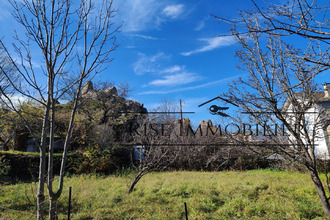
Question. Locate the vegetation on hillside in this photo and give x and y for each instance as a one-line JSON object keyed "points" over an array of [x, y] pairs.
{"points": [[101, 119]]}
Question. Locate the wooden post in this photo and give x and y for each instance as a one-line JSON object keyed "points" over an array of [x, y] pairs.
{"points": [[69, 208], [186, 210]]}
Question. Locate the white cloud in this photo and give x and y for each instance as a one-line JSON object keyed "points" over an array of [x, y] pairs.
{"points": [[175, 79], [173, 69], [138, 14], [169, 76], [15, 100], [222, 81], [173, 11], [200, 26], [34, 62], [212, 43], [149, 64], [141, 15], [145, 37]]}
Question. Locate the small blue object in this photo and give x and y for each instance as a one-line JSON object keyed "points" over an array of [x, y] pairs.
{"points": [[139, 153]]}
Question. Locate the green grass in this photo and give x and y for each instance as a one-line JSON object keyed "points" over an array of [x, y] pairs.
{"points": [[259, 194], [25, 153], [18, 152]]}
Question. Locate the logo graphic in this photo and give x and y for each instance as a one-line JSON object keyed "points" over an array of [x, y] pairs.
{"points": [[217, 110]]}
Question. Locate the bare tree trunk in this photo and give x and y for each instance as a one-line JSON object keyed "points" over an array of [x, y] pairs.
{"points": [[42, 165], [320, 191], [53, 208], [41, 185], [136, 180], [52, 197], [69, 133]]}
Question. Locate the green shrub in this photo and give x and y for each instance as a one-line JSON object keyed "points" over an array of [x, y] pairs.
{"points": [[96, 160], [4, 166]]}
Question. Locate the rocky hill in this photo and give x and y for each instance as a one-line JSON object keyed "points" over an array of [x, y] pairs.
{"points": [[110, 98], [107, 116]]}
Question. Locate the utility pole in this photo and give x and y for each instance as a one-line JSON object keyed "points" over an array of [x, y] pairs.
{"points": [[181, 120]]}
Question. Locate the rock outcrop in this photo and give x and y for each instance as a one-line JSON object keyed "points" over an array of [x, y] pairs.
{"points": [[87, 88], [110, 98]]}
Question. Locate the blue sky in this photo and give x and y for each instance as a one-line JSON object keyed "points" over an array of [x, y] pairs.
{"points": [[169, 50]]}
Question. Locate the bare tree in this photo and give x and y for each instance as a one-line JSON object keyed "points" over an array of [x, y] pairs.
{"points": [[280, 95], [280, 85], [155, 158], [75, 39], [166, 112], [5, 84], [156, 149], [305, 19], [124, 90]]}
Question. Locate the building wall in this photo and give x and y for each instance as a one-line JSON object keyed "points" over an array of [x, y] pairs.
{"points": [[320, 142]]}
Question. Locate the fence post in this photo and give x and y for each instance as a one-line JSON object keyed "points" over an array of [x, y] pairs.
{"points": [[69, 208], [185, 209]]}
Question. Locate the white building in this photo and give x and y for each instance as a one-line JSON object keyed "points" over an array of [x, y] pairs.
{"points": [[317, 117]]}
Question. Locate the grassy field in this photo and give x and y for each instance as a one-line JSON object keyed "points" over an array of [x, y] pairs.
{"points": [[259, 194]]}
